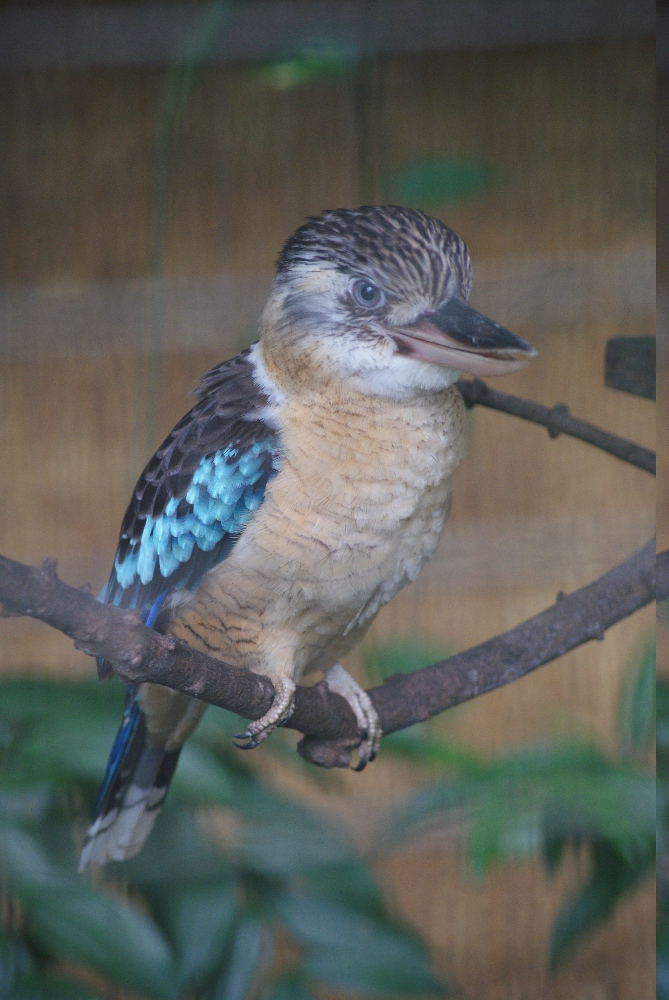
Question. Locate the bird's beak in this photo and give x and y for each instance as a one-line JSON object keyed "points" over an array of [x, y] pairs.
{"points": [[461, 338]]}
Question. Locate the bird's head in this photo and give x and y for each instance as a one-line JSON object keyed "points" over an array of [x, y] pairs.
{"points": [[377, 297]]}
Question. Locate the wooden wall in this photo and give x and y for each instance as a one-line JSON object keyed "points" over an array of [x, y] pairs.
{"points": [[97, 361]]}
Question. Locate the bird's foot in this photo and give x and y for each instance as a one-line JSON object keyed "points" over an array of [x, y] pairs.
{"points": [[340, 682], [282, 708]]}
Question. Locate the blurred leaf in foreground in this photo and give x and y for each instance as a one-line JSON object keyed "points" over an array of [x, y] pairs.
{"points": [[434, 181], [87, 927], [637, 706], [546, 799], [381, 660], [310, 65], [662, 748], [292, 986], [613, 874], [194, 913], [353, 952], [200, 919], [245, 958]]}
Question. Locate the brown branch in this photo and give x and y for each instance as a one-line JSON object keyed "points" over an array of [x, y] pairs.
{"points": [[557, 420], [140, 654], [570, 622]]}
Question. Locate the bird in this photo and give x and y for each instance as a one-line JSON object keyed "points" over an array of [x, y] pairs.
{"points": [[310, 482]]}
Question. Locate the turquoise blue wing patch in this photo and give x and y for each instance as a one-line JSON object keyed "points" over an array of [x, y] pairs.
{"points": [[198, 492], [227, 488]]}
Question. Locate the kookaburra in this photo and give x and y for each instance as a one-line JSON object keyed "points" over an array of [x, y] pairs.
{"points": [[308, 484]]}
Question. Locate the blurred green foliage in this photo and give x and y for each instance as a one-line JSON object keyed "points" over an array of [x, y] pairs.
{"points": [[432, 182], [404, 655], [279, 900], [310, 65], [193, 915], [662, 747], [548, 799]]}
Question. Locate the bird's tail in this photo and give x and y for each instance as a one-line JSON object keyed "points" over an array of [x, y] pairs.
{"points": [[132, 793]]}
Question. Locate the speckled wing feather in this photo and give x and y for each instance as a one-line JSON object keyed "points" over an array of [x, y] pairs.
{"points": [[190, 505], [197, 493]]}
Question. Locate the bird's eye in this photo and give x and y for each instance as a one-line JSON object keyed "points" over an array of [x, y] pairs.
{"points": [[366, 294]]}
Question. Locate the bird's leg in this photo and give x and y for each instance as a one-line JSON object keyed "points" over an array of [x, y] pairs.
{"points": [[340, 682], [282, 708]]}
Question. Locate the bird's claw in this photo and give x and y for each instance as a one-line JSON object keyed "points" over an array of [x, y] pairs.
{"points": [[280, 711], [247, 746], [363, 761], [340, 682]]}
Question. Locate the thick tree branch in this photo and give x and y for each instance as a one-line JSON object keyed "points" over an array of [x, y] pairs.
{"points": [[573, 620], [557, 420], [139, 654]]}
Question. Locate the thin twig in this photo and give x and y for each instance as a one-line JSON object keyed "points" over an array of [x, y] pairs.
{"points": [[557, 420], [140, 654]]}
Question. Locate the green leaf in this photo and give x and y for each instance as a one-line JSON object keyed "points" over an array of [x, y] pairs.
{"points": [[47, 987], [383, 967], [399, 656], [8, 971], [287, 851], [200, 920], [25, 700], [434, 181], [433, 806], [502, 826], [15, 965], [201, 776], [521, 800], [176, 853], [60, 753], [554, 850], [64, 732], [71, 920], [637, 708], [56, 732], [285, 839], [29, 806], [24, 862], [417, 744], [662, 981], [245, 959], [613, 875], [308, 66], [517, 818], [350, 883], [351, 951], [662, 729], [292, 986]]}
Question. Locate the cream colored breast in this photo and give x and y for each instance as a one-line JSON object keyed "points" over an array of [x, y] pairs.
{"points": [[364, 478], [356, 510]]}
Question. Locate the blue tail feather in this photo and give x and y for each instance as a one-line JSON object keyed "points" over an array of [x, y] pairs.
{"points": [[132, 792], [132, 716]]}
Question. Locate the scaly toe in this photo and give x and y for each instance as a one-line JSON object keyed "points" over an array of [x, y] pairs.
{"points": [[341, 682], [280, 711]]}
